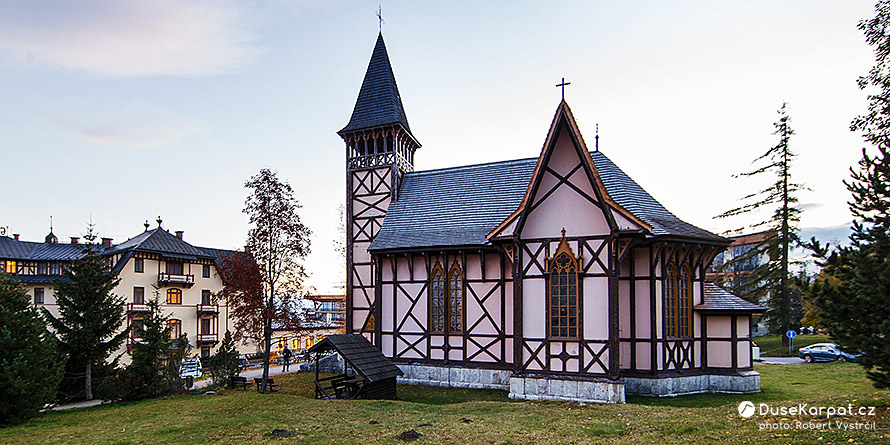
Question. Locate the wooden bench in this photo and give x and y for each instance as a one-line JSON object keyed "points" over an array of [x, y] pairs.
{"points": [[236, 380], [347, 387], [270, 384]]}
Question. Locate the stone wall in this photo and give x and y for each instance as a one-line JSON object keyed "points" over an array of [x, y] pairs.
{"points": [[455, 377], [744, 382], [548, 388]]}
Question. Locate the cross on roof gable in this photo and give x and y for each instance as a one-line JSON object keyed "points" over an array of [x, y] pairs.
{"points": [[564, 119]]}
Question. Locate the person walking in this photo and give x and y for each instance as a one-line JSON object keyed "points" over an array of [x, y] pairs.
{"points": [[287, 354]]}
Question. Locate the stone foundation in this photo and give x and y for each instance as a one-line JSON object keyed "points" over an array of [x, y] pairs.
{"points": [[549, 388], [744, 382], [455, 377]]}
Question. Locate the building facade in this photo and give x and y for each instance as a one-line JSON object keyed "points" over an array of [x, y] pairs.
{"points": [[556, 277], [153, 264]]}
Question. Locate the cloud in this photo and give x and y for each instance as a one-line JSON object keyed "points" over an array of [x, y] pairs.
{"points": [[136, 126], [128, 38]]}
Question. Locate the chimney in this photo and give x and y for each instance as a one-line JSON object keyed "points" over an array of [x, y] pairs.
{"points": [[75, 240], [179, 234], [16, 236], [106, 242]]}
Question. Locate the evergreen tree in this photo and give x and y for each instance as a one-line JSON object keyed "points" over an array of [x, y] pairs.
{"points": [[853, 293], [154, 370], [29, 368], [224, 363], [774, 278], [90, 315]]}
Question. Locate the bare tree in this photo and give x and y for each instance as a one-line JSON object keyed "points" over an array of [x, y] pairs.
{"points": [[278, 242]]}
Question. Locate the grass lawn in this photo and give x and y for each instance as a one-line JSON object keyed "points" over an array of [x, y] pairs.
{"points": [[238, 416], [771, 345]]}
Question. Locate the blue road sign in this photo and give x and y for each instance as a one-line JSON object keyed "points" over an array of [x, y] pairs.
{"points": [[791, 334]]}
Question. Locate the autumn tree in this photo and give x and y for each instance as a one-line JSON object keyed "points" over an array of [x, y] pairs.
{"points": [[276, 245], [774, 277], [853, 292], [90, 314]]}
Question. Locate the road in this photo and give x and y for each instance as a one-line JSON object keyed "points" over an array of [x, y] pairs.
{"points": [[251, 373], [781, 360]]}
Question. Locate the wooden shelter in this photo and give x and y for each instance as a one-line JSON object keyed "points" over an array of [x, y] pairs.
{"points": [[367, 373]]}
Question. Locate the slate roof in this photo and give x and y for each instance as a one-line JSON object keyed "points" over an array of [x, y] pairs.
{"points": [[30, 251], [379, 102], [716, 299], [162, 242], [361, 355], [459, 206], [453, 206]]}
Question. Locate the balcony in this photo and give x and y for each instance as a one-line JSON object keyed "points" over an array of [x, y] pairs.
{"points": [[138, 308], [207, 338], [208, 309], [165, 279]]}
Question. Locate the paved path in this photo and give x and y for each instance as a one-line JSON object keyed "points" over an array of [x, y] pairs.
{"points": [[782, 360], [251, 373]]}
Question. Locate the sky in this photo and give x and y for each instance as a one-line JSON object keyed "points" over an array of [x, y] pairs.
{"points": [[121, 111]]}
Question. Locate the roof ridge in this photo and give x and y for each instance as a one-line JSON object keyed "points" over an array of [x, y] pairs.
{"points": [[468, 167]]}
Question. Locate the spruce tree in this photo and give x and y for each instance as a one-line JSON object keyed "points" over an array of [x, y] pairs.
{"points": [[224, 363], [153, 371], [853, 291], [774, 278], [90, 314], [29, 368]]}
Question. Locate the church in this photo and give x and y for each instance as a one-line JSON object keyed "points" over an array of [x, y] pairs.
{"points": [[556, 277]]}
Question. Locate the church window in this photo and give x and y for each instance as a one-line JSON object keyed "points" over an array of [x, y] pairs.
{"points": [[678, 301], [446, 299], [563, 293]]}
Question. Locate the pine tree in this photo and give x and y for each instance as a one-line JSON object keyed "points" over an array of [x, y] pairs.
{"points": [[224, 363], [149, 372], [774, 277], [853, 293], [90, 314], [29, 368]]}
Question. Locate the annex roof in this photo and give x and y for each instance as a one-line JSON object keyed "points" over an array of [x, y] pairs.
{"points": [[459, 206], [716, 299], [13, 249], [379, 102], [361, 355]]}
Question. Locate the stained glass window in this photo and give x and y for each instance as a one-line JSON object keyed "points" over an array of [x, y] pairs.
{"points": [[678, 301], [446, 299], [564, 296], [455, 299]]}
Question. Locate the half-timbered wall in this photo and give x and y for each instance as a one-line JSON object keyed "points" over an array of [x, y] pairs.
{"points": [[370, 196], [485, 338], [564, 201]]}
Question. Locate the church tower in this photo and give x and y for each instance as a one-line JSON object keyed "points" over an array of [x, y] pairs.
{"points": [[379, 151]]}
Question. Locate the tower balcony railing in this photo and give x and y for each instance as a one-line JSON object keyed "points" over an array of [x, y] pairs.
{"points": [[137, 308], [165, 279], [208, 308], [207, 338]]}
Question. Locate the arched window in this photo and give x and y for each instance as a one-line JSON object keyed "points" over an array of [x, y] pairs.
{"points": [[446, 299], [563, 293], [175, 328], [174, 296], [678, 301]]}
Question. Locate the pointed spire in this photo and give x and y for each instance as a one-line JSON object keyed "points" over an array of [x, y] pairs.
{"points": [[379, 102], [51, 238]]}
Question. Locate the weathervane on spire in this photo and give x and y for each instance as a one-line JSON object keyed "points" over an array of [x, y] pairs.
{"points": [[380, 17], [563, 86]]}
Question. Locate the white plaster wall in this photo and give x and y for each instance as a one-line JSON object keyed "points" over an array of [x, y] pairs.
{"points": [[719, 327], [642, 309], [719, 353], [596, 308], [742, 326], [534, 308]]}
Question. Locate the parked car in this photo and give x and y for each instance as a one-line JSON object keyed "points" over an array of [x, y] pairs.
{"points": [[825, 352], [242, 362], [190, 367]]}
